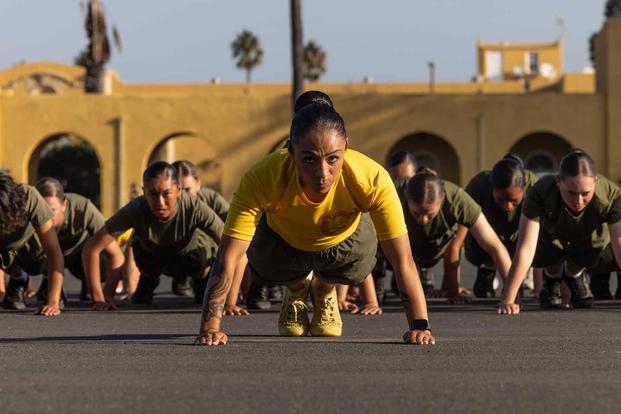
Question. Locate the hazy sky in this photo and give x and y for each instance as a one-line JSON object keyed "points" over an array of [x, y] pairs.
{"points": [[392, 40]]}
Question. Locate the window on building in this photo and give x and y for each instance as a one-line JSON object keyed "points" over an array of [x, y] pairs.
{"points": [[533, 62]]}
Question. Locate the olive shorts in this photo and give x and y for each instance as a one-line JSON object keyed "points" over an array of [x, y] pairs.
{"points": [[190, 263], [273, 261]]}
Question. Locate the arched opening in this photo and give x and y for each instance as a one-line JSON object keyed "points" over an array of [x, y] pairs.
{"points": [[431, 151], [541, 151], [191, 147], [70, 159]]}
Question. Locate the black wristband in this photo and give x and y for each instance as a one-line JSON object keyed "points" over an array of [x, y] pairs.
{"points": [[420, 325]]}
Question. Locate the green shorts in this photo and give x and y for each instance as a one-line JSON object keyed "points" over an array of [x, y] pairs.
{"points": [[273, 261], [28, 257], [429, 255], [478, 257], [593, 254], [190, 263], [32, 259]]}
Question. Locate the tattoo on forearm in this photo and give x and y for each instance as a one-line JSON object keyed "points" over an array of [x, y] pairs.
{"points": [[217, 289]]}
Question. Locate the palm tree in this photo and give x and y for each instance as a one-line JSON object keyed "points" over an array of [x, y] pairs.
{"points": [[247, 50], [314, 61], [612, 8]]}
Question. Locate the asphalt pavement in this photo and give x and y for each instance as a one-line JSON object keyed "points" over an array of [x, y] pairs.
{"points": [[142, 359]]}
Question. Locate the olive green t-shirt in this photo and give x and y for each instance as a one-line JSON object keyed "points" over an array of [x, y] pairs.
{"points": [[543, 203], [177, 235], [457, 208], [82, 221], [214, 200], [37, 213], [504, 224]]}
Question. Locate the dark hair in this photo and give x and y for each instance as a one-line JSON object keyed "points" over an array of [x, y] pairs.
{"points": [[508, 172], [157, 168], [576, 162], [400, 157], [425, 188], [316, 116], [50, 187], [13, 215], [185, 168], [311, 97]]}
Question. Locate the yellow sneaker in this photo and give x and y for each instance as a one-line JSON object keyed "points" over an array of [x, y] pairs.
{"points": [[326, 319], [293, 320]]}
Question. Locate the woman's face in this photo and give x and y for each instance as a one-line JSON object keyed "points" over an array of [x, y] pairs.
{"points": [[161, 194], [190, 184], [58, 207], [576, 192], [318, 158], [424, 213], [509, 198]]}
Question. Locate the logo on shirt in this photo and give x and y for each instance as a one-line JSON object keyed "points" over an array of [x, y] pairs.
{"points": [[337, 223]]}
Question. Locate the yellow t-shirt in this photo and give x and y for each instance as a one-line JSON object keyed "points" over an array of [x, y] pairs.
{"points": [[273, 187]]}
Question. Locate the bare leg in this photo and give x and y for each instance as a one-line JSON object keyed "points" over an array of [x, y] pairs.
{"points": [[344, 304], [371, 305]]}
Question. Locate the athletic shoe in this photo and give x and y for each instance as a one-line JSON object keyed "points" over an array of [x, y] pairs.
{"points": [[600, 286], [14, 297], [182, 286], [326, 318], [144, 292], [258, 297], [293, 319], [275, 293], [581, 296], [550, 295], [484, 283]]}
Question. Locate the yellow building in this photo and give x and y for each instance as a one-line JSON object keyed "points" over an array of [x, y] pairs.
{"points": [[459, 129]]}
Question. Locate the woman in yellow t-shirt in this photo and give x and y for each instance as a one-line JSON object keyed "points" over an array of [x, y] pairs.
{"points": [[300, 210]]}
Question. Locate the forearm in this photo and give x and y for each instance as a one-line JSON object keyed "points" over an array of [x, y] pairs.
{"points": [[215, 297], [501, 259], [93, 274], [515, 277], [238, 277], [368, 291], [113, 273], [412, 293], [451, 280], [55, 276]]}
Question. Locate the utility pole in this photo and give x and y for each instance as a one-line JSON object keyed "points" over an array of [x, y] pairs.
{"points": [[296, 49], [432, 77]]}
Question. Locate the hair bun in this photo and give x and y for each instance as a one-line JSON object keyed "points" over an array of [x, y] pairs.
{"points": [[310, 98], [426, 170], [513, 156]]}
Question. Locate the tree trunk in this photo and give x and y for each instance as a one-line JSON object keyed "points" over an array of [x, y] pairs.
{"points": [[297, 49], [247, 76], [93, 81]]}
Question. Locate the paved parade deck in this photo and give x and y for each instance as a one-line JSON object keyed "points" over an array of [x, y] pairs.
{"points": [[143, 360]]}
